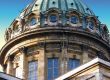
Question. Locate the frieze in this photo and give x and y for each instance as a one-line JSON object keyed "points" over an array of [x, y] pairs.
{"points": [[72, 39], [58, 41], [32, 50], [86, 41]]}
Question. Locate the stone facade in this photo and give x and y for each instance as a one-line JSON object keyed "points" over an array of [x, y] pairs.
{"points": [[39, 34], [62, 45]]}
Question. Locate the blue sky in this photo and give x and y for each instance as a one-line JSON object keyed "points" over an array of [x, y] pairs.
{"points": [[10, 9], [101, 8]]}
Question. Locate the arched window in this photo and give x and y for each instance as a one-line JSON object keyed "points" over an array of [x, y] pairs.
{"points": [[53, 18], [74, 19], [33, 21], [91, 24]]}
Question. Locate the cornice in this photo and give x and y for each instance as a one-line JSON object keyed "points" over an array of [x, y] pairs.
{"points": [[33, 33]]}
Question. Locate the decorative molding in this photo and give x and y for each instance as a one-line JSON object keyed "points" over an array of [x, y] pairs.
{"points": [[10, 57], [23, 49]]}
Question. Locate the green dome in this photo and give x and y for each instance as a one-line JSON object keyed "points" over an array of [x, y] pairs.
{"points": [[63, 5]]}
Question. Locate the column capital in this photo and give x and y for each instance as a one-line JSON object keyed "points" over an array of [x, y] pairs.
{"points": [[23, 49], [10, 57]]}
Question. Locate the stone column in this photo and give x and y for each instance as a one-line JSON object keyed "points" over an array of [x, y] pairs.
{"points": [[64, 62], [10, 65], [84, 54], [41, 65], [24, 63]]}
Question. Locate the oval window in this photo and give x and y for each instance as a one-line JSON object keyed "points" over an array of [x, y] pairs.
{"points": [[74, 19], [53, 18], [91, 25], [33, 22]]}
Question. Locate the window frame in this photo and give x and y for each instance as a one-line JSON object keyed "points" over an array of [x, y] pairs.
{"points": [[55, 16], [53, 68], [33, 21], [35, 70], [76, 20], [93, 25]]}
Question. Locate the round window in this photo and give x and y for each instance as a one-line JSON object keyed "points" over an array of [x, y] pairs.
{"points": [[74, 19], [91, 25], [33, 22], [53, 18]]}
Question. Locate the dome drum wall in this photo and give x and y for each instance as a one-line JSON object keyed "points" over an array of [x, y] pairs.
{"points": [[54, 45], [50, 30], [57, 36]]}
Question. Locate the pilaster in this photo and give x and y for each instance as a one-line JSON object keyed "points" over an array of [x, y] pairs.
{"points": [[23, 52], [64, 56], [64, 61], [85, 54], [41, 65], [10, 65]]}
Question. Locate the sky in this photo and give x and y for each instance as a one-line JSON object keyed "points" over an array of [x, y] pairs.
{"points": [[10, 9]]}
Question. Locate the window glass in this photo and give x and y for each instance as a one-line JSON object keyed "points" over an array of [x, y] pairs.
{"points": [[33, 22], [74, 19], [73, 63], [53, 68], [91, 25], [53, 18], [32, 68]]}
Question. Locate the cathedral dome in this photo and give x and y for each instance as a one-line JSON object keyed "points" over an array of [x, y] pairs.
{"points": [[72, 14], [52, 37], [61, 5]]}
